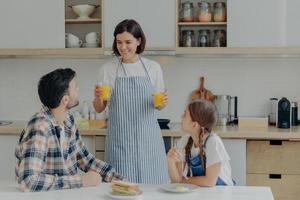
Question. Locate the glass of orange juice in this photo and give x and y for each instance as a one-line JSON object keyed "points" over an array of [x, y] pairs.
{"points": [[106, 91], [158, 99]]}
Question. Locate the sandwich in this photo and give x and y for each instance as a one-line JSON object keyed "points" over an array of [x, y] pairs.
{"points": [[125, 188]]}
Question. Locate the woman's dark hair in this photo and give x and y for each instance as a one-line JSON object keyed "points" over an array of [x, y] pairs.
{"points": [[54, 85], [205, 114], [130, 26]]}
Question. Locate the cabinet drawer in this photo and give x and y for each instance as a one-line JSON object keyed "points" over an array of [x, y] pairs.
{"points": [[284, 187], [100, 143], [273, 157], [100, 155]]}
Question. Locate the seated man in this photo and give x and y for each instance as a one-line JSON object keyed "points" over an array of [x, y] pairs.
{"points": [[50, 151]]}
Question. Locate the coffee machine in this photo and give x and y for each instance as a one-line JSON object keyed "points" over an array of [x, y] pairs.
{"points": [[224, 109], [284, 114]]}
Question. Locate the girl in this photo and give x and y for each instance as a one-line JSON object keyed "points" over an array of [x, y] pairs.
{"points": [[200, 158], [134, 145]]}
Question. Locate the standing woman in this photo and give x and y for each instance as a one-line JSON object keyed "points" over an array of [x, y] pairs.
{"points": [[134, 144]]}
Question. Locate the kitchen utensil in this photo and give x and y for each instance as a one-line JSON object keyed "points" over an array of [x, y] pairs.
{"points": [[83, 10], [202, 92], [72, 41], [295, 121], [92, 38], [273, 110], [224, 109], [283, 113], [163, 123]]}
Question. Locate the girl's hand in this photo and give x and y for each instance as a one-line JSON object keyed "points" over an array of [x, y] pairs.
{"points": [[174, 155]]}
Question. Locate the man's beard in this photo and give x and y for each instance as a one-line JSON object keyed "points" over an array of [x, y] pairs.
{"points": [[76, 103]]}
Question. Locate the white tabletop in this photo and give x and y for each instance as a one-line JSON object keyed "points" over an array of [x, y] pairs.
{"points": [[10, 191]]}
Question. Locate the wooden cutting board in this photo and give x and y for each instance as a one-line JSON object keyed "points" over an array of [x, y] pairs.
{"points": [[202, 92]]}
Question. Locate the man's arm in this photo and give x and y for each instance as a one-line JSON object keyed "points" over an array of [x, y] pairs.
{"points": [[87, 162]]}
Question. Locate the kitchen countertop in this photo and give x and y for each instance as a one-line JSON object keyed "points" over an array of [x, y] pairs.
{"points": [[228, 132], [9, 191]]}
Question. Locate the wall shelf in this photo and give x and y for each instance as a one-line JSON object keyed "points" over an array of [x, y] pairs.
{"points": [[60, 52], [243, 52], [280, 52], [86, 21], [202, 23]]}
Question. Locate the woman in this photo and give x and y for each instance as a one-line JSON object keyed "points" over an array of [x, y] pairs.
{"points": [[134, 144]]}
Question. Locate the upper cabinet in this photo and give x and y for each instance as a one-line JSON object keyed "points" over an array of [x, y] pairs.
{"points": [[257, 23], [156, 18], [32, 24], [83, 23], [292, 23]]}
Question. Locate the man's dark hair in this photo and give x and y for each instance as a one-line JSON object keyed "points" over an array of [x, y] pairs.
{"points": [[130, 26], [54, 85]]}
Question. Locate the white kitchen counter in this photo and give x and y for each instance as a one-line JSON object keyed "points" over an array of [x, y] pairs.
{"points": [[9, 191]]}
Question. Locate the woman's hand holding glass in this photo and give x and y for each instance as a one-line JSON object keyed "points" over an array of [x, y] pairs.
{"points": [[160, 99], [102, 92]]}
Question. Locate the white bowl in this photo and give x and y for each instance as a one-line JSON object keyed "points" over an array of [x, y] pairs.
{"points": [[83, 10]]}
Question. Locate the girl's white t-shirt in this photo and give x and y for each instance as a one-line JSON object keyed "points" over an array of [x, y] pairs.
{"points": [[215, 153], [108, 72]]}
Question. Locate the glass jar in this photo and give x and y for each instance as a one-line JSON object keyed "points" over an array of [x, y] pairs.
{"points": [[204, 12], [187, 38], [186, 12], [219, 38], [219, 12], [204, 38]]}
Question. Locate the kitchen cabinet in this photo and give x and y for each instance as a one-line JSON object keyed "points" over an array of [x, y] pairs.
{"points": [[256, 23], [32, 24], [156, 18], [292, 23], [237, 159], [274, 163], [81, 27], [192, 34]]}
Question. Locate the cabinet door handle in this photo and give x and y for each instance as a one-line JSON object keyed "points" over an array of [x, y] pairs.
{"points": [[274, 176], [276, 142]]}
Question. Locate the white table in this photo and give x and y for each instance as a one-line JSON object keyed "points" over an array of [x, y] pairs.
{"points": [[10, 191]]}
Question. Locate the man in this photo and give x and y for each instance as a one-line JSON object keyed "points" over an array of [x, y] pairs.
{"points": [[50, 152]]}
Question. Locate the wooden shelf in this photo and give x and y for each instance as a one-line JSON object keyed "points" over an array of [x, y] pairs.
{"points": [[59, 52], [202, 23], [244, 52], [85, 21], [280, 52]]}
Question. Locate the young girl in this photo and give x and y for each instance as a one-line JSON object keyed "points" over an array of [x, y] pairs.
{"points": [[200, 157]]}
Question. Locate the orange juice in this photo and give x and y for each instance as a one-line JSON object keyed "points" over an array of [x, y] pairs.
{"points": [[158, 99], [106, 90]]}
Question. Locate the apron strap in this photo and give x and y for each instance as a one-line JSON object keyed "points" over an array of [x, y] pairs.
{"points": [[124, 70]]}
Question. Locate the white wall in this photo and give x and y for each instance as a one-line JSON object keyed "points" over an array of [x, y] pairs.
{"points": [[253, 80]]}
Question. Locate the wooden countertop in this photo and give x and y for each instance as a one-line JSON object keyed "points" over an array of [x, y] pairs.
{"points": [[228, 132]]}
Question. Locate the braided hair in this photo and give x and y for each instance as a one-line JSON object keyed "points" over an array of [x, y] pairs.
{"points": [[205, 114]]}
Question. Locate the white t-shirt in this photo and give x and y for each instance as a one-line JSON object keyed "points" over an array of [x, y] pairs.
{"points": [[108, 72], [215, 153]]}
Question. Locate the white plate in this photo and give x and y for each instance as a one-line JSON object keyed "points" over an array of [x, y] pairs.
{"points": [[180, 188], [124, 196]]}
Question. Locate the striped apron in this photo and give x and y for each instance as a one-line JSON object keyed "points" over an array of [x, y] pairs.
{"points": [[134, 144]]}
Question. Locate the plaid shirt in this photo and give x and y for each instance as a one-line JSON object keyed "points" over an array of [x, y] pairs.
{"points": [[42, 163]]}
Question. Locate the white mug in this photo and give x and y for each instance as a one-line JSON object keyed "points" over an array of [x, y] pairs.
{"points": [[92, 38], [72, 40]]}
